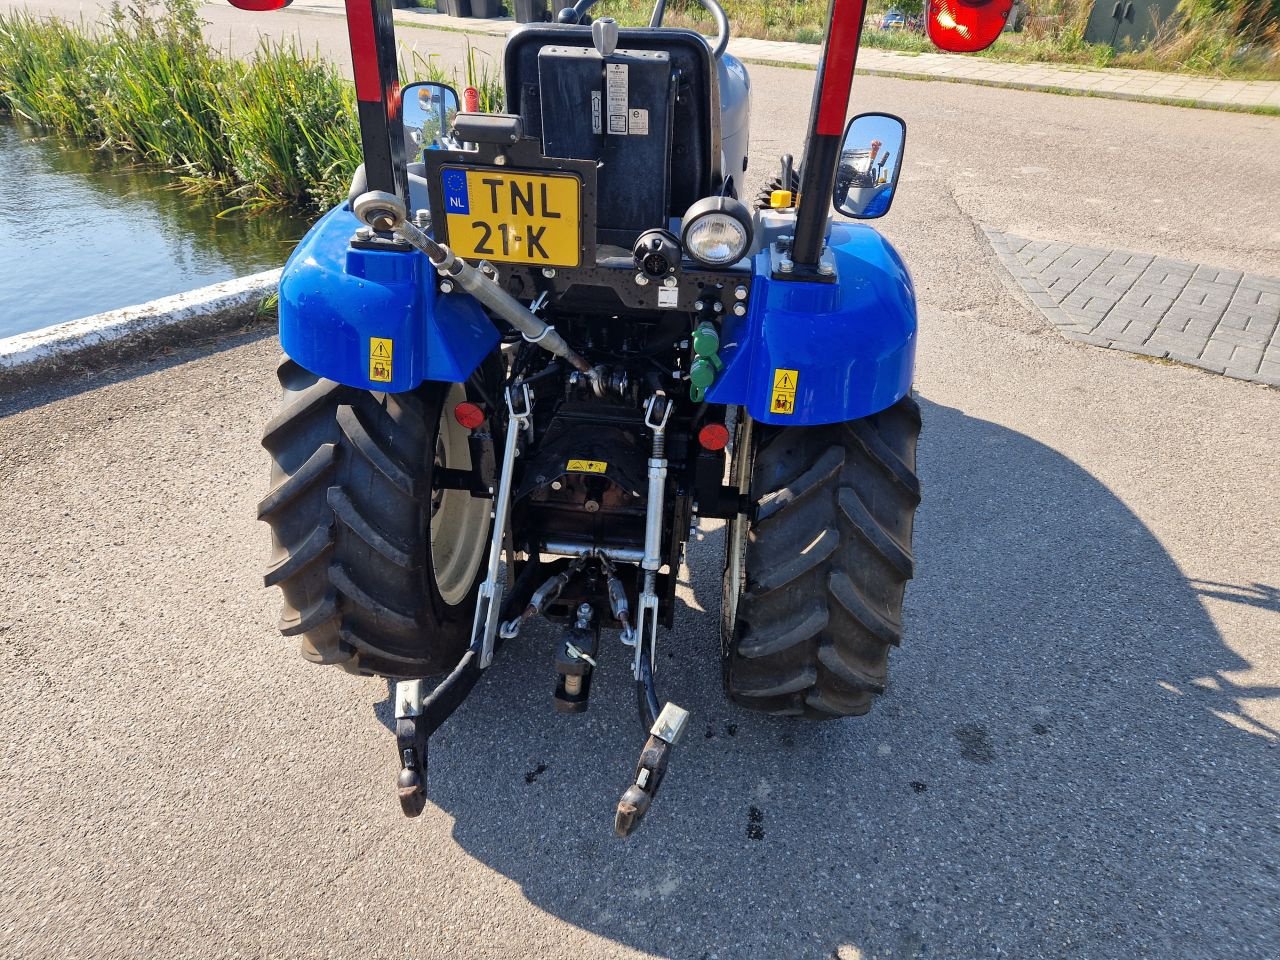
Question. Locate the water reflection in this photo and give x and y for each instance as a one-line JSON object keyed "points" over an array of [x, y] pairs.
{"points": [[81, 232]]}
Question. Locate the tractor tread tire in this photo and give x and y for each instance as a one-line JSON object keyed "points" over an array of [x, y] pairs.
{"points": [[827, 558], [348, 518]]}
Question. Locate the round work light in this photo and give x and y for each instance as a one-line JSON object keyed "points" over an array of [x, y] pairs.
{"points": [[716, 231]]}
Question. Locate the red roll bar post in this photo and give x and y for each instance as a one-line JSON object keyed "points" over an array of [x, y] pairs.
{"points": [[826, 130], [373, 62]]}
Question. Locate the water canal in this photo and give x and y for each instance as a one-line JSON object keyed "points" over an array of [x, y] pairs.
{"points": [[82, 232]]}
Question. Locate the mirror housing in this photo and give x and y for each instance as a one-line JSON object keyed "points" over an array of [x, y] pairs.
{"points": [[870, 162], [965, 26], [258, 6], [427, 110]]}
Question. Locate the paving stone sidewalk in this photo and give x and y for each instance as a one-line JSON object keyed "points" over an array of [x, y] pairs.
{"points": [[1220, 320]]}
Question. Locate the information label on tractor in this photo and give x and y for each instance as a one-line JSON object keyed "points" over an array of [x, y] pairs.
{"points": [[586, 466], [615, 79], [513, 217], [785, 383], [381, 352]]}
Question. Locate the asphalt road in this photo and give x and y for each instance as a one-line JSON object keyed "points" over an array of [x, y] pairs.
{"points": [[1077, 757]]}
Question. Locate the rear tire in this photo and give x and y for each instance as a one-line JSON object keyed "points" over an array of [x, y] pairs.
{"points": [[814, 583], [353, 516]]}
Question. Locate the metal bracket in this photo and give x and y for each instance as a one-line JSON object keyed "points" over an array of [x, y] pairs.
{"points": [[411, 745], [657, 413], [484, 628], [666, 731]]}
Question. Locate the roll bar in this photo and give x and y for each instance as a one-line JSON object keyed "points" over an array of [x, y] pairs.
{"points": [[826, 131]]}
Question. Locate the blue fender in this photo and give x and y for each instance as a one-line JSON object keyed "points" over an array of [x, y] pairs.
{"points": [[810, 353], [373, 319]]}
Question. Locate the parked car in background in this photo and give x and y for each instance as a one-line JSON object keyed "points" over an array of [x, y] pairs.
{"points": [[893, 20]]}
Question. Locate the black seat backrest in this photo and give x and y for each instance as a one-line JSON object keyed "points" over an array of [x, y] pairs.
{"points": [[693, 167]]}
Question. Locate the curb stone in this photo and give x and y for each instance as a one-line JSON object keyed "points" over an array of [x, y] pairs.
{"points": [[28, 359]]}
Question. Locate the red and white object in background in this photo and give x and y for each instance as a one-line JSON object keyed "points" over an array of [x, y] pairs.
{"points": [[965, 26]]}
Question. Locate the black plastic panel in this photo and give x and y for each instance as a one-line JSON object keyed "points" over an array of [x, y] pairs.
{"points": [[694, 164], [617, 110]]}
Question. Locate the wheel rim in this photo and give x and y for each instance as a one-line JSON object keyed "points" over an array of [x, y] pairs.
{"points": [[459, 521]]}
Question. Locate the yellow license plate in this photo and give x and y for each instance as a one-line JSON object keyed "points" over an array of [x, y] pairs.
{"points": [[513, 217]]}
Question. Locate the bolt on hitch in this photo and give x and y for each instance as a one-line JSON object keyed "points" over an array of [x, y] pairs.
{"points": [[576, 662]]}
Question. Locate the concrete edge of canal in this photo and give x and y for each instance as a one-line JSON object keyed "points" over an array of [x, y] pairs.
{"points": [[91, 343]]}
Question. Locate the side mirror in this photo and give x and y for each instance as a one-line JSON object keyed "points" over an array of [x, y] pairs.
{"points": [[870, 161], [258, 6], [427, 110], [964, 26]]}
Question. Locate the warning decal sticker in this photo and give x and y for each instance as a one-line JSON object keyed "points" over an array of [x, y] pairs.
{"points": [[587, 466], [638, 123], [615, 80], [785, 383], [381, 352]]}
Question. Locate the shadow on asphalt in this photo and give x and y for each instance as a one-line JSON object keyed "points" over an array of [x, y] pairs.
{"points": [[1062, 765], [139, 361]]}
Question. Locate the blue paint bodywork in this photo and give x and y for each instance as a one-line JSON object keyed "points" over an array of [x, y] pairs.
{"points": [[334, 298], [852, 343]]}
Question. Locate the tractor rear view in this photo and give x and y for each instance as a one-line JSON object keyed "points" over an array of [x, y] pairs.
{"points": [[534, 348]]}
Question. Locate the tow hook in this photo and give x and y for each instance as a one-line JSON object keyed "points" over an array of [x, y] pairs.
{"points": [[411, 741], [576, 661], [651, 769], [418, 717]]}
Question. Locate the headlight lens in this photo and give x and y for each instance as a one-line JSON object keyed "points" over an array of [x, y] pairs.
{"points": [[717, 231], [716, 239]]}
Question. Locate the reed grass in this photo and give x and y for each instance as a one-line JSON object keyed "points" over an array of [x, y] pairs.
{"points": [[290, 129], [479, 71], [277, 129]]}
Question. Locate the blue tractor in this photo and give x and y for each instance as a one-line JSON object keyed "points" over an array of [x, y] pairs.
{"points": [[534, 348]]}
